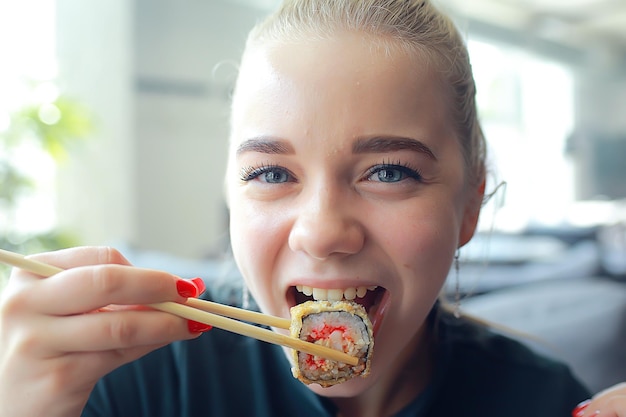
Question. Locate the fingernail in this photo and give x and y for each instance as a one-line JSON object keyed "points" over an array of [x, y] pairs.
{"points": [[199, 284], [579, 411], [186, 288], [197, 327]]}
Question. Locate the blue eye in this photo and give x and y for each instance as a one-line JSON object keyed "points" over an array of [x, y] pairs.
{"points": [[267, 174], [275, 176], [391, 173]]}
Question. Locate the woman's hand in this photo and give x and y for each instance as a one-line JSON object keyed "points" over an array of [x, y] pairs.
{"points": [[608, 403], [59, 335]]}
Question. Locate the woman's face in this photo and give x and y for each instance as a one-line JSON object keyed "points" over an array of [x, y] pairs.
{"points": [[345, 176]]}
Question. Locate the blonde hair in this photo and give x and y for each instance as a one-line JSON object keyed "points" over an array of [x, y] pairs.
{"points": [[414, 25]]}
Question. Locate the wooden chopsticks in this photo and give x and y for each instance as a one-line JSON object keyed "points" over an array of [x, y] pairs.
{"points": [[238, 313], [211, 313]]}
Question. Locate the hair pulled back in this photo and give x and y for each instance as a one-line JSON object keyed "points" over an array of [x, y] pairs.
{"points": [[415, 25]]}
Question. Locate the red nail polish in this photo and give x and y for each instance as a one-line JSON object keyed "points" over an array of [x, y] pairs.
{"points": [[197, 327], [579, 411], [200, 284], [186, 288]]}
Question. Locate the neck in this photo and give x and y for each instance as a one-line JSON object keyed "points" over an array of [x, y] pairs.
{"points": [[406, 378]]}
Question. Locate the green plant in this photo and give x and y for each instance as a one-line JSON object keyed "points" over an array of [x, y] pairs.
{"points": [[53, 127]]}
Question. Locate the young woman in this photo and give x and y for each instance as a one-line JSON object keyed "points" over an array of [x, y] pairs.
{"points": [[356, 168]]}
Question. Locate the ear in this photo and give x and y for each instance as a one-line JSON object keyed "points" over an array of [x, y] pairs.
{"points": [[471, 213]]}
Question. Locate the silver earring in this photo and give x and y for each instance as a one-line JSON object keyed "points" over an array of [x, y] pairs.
{"points": [[245, 297], [457, 286]]}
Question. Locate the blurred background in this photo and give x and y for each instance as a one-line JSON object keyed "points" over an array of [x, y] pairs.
{"points": [[130, 102], [114, 121]]}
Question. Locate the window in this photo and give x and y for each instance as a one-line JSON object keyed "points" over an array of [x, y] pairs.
{"points": [[27, 51], [526, 104]]}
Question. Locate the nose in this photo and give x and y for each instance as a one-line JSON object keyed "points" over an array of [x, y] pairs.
{"points": [[326, 225]]}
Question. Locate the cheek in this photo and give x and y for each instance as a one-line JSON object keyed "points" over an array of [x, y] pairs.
{"points": [[420, 241], [423, 243], [427, 234], [247, 239], [256, 242]]}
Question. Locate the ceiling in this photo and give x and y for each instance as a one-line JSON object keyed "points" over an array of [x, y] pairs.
{"points": [[575, 30], [574, 23]]}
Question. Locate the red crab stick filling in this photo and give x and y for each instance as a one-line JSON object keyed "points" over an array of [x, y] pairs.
{"points": [[338, 338]]}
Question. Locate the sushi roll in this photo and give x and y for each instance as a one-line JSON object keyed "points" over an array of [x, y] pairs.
{"points": [[339, 325]]}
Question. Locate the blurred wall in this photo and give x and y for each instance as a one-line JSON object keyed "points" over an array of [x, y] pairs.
{"points": [[157, 74], [97, 186]]}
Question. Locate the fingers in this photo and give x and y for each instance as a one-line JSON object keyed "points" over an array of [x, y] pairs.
{"points": [[114, 330], [81, 256], [86, 284], [54, 312], [61, 334], [608, 403], [57, 386], [85, 289], [64, 259], [610, 407]]}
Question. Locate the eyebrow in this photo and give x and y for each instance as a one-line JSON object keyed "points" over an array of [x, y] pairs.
{"points": [[265, 144], [375, 144], [379, 144]]}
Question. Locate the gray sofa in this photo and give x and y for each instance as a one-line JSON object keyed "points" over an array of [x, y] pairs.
{"points": [[580, 321]]}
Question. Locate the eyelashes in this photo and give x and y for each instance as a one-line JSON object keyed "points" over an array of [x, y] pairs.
{"points": [[386, 172], [270, 173], [249, 173], [390, 172]]}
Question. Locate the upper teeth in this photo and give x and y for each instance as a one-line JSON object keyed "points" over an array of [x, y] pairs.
{"points": [[335, 294]]}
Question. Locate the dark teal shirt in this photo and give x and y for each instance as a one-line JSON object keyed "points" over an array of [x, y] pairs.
{"points": [[478, 373]]}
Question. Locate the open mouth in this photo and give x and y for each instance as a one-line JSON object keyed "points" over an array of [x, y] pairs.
{"points": [[372, 298]]}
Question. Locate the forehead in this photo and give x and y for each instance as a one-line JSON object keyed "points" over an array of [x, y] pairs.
{"points": [[353, 80], [354, 56]]}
